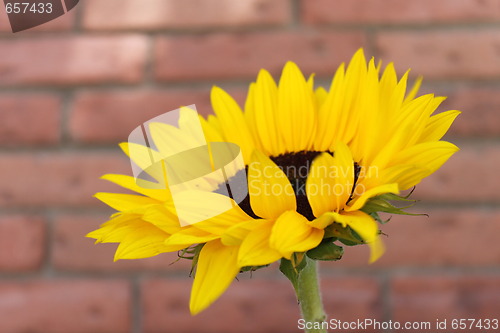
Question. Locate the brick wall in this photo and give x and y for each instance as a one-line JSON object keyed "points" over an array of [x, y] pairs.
{"points": [[70, 90]]}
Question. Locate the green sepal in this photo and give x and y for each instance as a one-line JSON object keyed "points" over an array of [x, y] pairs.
{"points": [[291, 268], [345, 235], [251, 268], [349, 243], [396, 197], [377, 218], [381, 204], [190, 253], [326, 250]]}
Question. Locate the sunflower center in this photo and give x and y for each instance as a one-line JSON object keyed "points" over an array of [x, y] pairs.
{"points": [[296, 167]]}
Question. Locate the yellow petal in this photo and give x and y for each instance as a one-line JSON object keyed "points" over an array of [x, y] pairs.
{"points": [[292, 233], [249, 114], [364, 143], [146, 159], [195, 207], [211, 133], [391, 103], [190, 124], [397, 99], [116, 229], [255, 249], [143, 241], [215, 123], [232, 121], [391, 98], [430, 155], [399, 134], [217, 268], [405, 175], [361, 198], [234, 235], [438, 126], [412, 178], [319, 185], [388, 84], [296, 114], [270, 191], [414, 90], [322, 222], [188, 236], [347, 119], [221, 223], [321, 95], [125, 202], [310, 81], [262, 106], [421, 161], [163, 217], [170, 140], [421, 121], [366, 227], [330, 111], [149, 190], [330, 181]]}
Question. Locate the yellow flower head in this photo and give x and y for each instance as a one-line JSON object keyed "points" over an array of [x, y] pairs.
{"points": [[320, 165]]}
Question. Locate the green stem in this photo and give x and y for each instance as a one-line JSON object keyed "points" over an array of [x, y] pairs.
{"points": [[309, 297]]}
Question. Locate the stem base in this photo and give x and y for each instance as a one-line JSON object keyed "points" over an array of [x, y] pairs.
{"points": [[309, 296]]}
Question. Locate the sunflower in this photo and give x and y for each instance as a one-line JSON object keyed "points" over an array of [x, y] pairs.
{"points": [[320, 165]]}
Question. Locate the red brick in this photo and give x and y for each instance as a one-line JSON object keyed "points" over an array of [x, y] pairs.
{"points": [[434, 241], [110, 116], [172, 14], [439, 54], [257, 305], [62, 23], [72, 251], [22, 243], [469, 176], [65, 306], [351, 298], [29, 119], [399, 12], [236, 55], [427, 298], [57, 179], [479, 108], [72, 60]]}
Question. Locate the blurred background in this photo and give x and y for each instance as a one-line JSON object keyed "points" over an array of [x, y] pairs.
{"points": [[72, 89]]}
